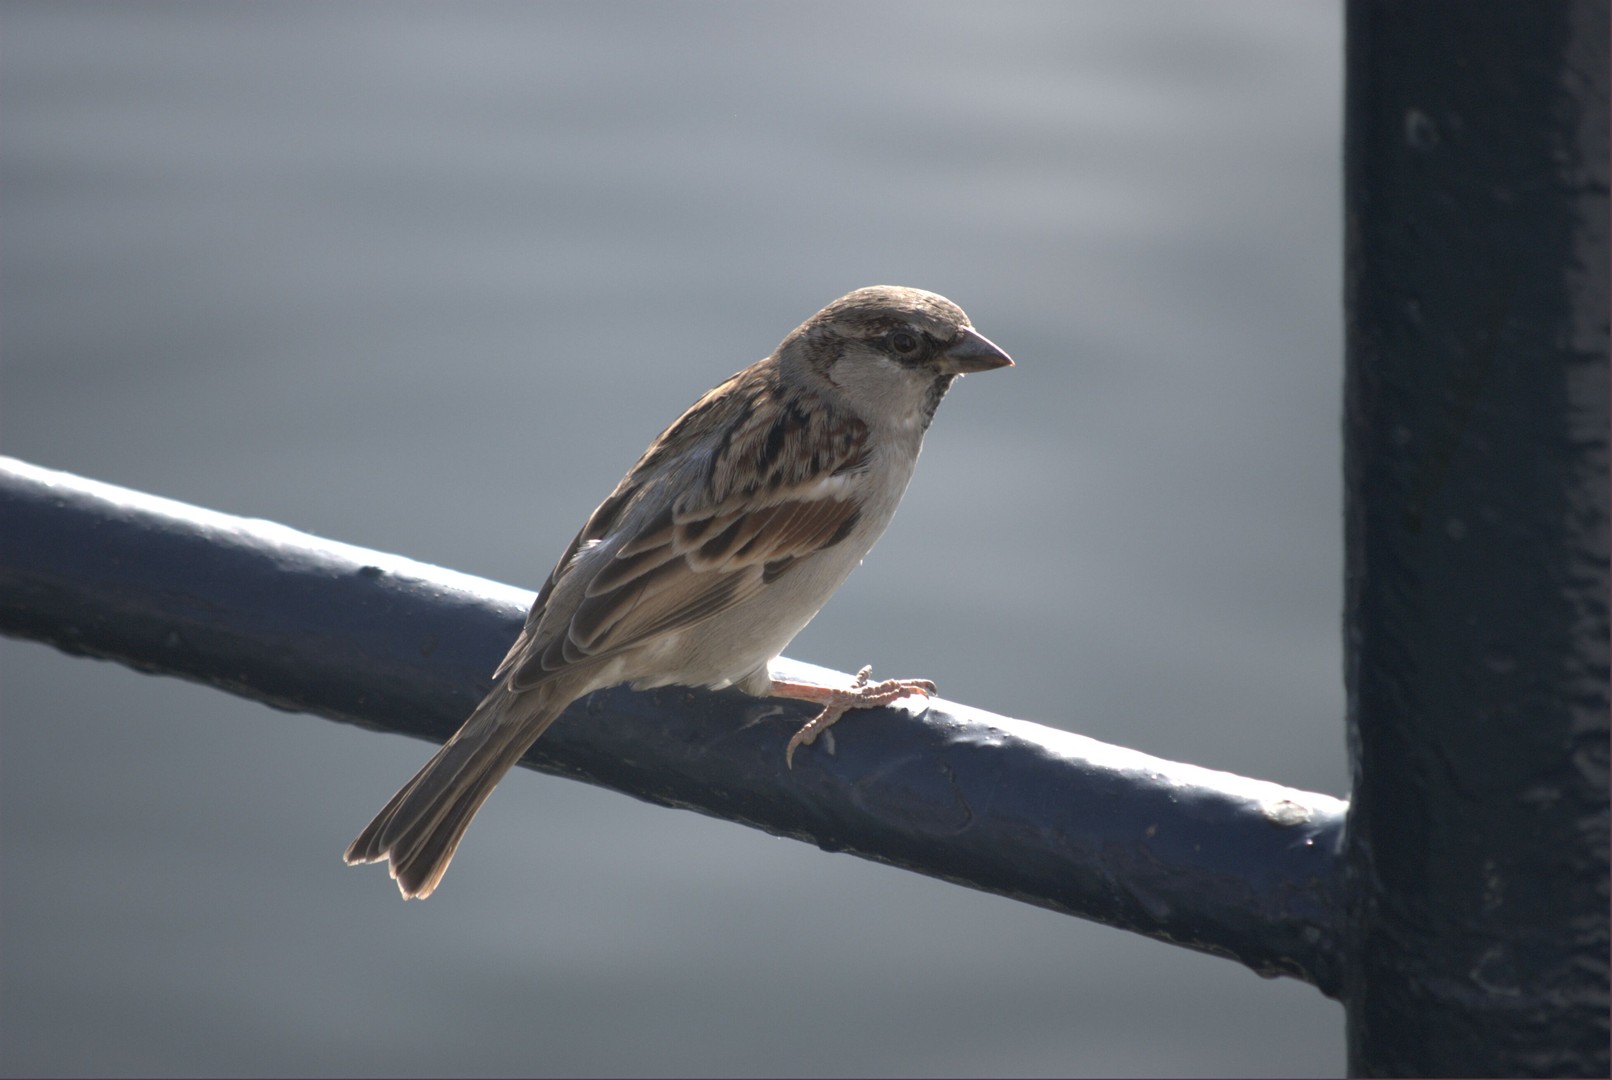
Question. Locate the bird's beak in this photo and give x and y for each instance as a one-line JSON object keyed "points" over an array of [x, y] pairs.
{"points": [[972, 351]]}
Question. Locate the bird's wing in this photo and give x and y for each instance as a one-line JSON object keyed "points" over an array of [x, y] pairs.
{"points": [[770, 486]]}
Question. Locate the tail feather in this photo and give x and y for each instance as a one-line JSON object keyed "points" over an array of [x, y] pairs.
{"points": [[419, 829]]}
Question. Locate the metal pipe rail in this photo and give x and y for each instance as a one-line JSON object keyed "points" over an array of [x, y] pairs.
{"points": [[1240, 868]]}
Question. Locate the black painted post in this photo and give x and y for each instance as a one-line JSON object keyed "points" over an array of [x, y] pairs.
{"points": [[1476, 464]]}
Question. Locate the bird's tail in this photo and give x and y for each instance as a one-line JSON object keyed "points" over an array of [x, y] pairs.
{"points": [[418, 831]]}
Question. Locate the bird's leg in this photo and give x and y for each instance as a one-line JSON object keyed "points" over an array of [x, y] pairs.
{"points": [[836, 703]]}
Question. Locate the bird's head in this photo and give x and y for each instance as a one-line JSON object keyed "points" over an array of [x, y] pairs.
{"points": [[893, 349]]}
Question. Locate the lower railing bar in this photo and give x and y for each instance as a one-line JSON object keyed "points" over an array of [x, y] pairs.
{"points": [[1236, 867]]}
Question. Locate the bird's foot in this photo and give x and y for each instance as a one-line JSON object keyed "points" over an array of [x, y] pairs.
{"points": [[836, 703]]}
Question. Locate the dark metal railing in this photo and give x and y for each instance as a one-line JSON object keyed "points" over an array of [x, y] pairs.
{"points": [[1240, 868]]}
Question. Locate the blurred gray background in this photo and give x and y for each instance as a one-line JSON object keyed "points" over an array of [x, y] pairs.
{"points": [[428, 278]]}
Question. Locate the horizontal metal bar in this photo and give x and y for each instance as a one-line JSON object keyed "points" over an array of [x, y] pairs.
{"points": [[1239, 868]]}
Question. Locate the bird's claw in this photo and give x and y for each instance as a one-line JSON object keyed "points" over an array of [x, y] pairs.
{"points": [[861, 695]]}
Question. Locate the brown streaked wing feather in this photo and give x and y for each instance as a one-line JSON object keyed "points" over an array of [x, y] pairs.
{"points": [[720, 543], [598, 524], [674, 590], [714, 410]]}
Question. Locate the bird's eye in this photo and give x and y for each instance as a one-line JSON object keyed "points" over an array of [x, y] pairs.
{"points": [[903, 342]]}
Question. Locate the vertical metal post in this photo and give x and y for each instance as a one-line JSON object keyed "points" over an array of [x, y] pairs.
{"points": [[1477, 578]]}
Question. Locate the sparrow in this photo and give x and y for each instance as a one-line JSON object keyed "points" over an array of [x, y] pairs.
{"points": [[714, 551]]}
